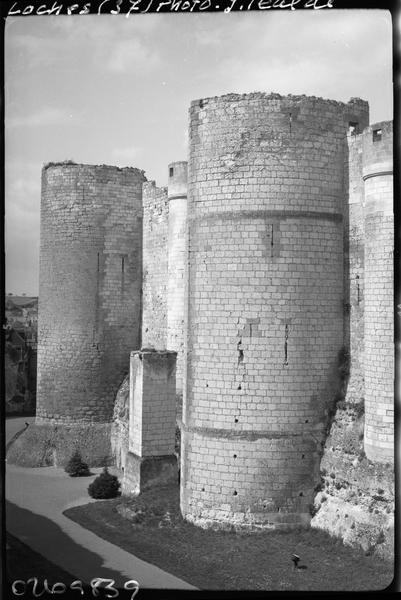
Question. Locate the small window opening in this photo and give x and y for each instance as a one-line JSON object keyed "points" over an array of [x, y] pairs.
{"points": [[377, 135], [171, 172], [353, 127], [286, 334], [271, 241]]}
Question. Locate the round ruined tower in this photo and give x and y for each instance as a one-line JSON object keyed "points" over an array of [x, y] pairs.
{"points": [[89, 302], [379, 295], [177, 221], [264, 303], [89, 294]]}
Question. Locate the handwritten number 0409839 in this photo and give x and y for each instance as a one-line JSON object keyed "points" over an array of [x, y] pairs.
{"points": [[20, 587]]}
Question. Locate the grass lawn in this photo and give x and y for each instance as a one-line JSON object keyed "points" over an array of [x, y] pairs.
{"points": [[151, 527]]}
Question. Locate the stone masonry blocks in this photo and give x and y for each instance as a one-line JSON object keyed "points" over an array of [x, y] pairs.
{"points": [[177, 259], [354, 269], [90, 288], [151, 458], [379, 320], [155, 266], [264, 301]]}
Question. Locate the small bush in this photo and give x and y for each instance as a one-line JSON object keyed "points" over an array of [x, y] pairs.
{"points": [[381, 538], [104, 486], [361, 455], [379, 498], [76, 467], [360, 408]]}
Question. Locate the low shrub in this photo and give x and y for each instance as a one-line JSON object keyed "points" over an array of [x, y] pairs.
{"points": [[104, 486], [360, 408], [76, 467]]}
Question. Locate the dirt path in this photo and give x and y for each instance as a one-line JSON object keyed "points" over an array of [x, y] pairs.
{"points": [[36, 499]]}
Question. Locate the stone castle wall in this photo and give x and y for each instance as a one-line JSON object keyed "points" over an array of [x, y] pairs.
{"points": [[177, 259], [265, 302], [354, 269], [275, 267], [164, 261], [356, 497], [379, 295], [90, 289], [152, 403], [155, 261]]}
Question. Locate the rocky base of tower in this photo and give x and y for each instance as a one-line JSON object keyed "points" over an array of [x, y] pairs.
{"points": [[356, 499], [44, 445]]}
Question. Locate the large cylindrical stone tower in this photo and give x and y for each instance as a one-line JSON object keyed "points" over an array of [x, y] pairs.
{"points": [[177, 257], [89, 301], [264, 323], [379, 297]]}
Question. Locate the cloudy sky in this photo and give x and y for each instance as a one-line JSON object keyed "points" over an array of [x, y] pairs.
{"points": [[104, 89]]}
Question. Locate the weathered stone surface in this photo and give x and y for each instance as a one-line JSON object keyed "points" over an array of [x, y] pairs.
{"points": [[265, 319], [151, 460], [120, 424], [53, 445], [354, 269], [355, 499], [282, 263], [379, 292], [155, 266], [177, 262], [89, 289], [142, 473]]}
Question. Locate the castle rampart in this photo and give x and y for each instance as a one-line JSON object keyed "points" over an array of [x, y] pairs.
{"points": [[264, 266], [155, 266], [177, 258], [354, 268], [379, 324], [360, 439], [265, 302]]}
